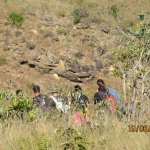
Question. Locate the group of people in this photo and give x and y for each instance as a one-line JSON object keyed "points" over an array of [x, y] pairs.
{"points": [[79, 101], [56, 101]]}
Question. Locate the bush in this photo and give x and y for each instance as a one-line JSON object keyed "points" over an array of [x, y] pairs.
{"points": [[76, 19], [60, 30], [76, 16], [62, 13], [15, 18], [2, 61], [114, 11], [79, 13]]}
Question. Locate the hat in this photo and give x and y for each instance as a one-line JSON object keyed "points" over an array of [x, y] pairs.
{"points": [[53, 89], [36, 88]]}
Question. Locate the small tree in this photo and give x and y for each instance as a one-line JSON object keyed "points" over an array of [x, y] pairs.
{"points": [[132, 59]]}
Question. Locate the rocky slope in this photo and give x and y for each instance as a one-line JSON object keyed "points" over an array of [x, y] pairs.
{"points": [[50, 49]]}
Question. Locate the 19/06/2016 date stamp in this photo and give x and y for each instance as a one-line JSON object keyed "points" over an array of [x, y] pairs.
{"points": [[139, 128]]}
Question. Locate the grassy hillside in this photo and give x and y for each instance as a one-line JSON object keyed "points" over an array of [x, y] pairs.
{"points": [[48, 131]]}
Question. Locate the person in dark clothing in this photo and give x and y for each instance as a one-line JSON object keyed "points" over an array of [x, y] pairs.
{"points": [[78, 98], [104, 92], [42, 100], [101, 94]]}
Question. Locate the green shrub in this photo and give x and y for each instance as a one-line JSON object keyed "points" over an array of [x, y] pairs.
{"points": [[79, 13], [60, 30], [74, 141], [30, 45], [76, 19], [92, 45], [15, 18], [116, 73], [75, 61], [42, 71], [141, 16], [62, 13], [2, 61], [114, 11], [44, 142], [76, 16]]}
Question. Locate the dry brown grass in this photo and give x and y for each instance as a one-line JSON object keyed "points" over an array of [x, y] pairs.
{"points": [[127, 9], [113, 136]]}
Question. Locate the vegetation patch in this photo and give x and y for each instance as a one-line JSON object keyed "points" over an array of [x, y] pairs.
{"points": [[79, 13], [114, 11], [16, 18], [3, 61]]}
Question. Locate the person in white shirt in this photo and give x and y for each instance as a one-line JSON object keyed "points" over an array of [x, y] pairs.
{"points": [[61, 102]]}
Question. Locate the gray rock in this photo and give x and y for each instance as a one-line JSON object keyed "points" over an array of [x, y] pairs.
{"points": [[37, 58], [23, 40], [51, 60], [106, 71], [31, 64], [48, 19], [6, 46], [30, 45], [109, 56], [68, 75], [82, 26], [105, 29], [99, 64], [51, 35], [19, 51], [82, 71], [18, 33], [21, 60], [100, 50]]}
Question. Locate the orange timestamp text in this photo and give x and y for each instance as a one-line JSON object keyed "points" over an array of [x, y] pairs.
{"points": [[139, 128]]}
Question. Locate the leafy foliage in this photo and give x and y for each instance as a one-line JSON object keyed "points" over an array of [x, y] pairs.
{"points": [[74, 140], [78, 13], [15, 18], [17, 105], [44, 142], [132, 59]]}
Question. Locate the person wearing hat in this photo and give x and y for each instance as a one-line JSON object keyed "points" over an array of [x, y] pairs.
{"points": [[61, 102]]}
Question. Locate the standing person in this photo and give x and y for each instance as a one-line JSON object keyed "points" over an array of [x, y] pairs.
{"points": [[103, 95], [80, 116], [100, 95], [42, 100], [103, 92], [79, 99], [61, 102], [101, 86]]}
